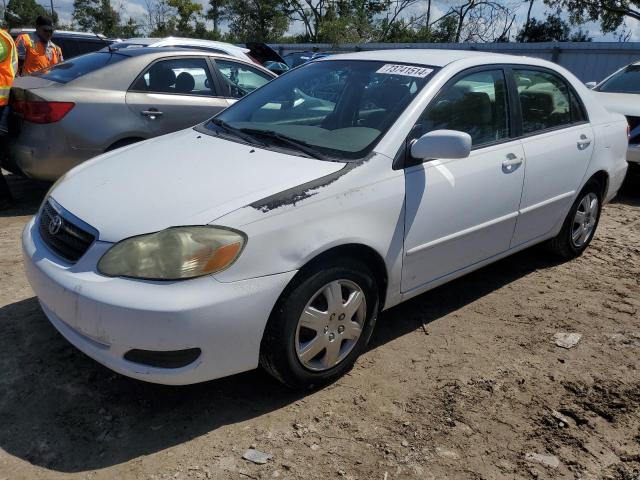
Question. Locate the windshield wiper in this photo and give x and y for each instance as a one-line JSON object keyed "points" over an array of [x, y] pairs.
{"points": [[299, 145], [218, 122]]}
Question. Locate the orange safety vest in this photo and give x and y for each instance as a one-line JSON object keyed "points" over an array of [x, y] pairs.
{"points": [[8, 65], [35, 57], [22, 41]]}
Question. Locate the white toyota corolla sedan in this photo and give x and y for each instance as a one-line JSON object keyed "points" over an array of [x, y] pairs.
{"points": [[276, 232]]}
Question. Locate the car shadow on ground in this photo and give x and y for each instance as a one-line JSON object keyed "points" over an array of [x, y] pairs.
{"points": [[81, 416]]}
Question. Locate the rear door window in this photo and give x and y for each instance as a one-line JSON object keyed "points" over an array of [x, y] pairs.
{"points": [[546, 101], [68, 47], [178, 76], [77, 67]]}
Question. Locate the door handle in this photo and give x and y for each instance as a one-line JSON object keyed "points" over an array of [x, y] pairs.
{"points": [[152, 113], [511, 163], [584, 142]]}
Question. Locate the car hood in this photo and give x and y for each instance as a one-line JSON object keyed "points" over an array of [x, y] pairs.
{"points": [[624, 103], [184, 178]]}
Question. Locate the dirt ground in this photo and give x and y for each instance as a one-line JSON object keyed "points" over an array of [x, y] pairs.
{"points": [[462, 382]]}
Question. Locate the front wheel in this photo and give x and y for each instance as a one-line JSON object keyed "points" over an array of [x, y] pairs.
{"points": [[580, 225], [321, 324]]}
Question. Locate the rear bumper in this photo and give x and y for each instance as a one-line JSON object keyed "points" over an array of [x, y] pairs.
{"points": [[44, 152], [616, 178]]}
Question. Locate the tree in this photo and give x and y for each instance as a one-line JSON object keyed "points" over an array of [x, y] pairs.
{"points": [[96, 16], [161, 18], [610, 13], [552, 29], [187, 11], [23, 13], [257, 20], [218, 11], [130, 29], [394, 24], [338, 21], [481, 20]]}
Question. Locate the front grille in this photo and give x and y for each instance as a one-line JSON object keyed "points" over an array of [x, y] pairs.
{"points": [[65, 239], [634, 130]]}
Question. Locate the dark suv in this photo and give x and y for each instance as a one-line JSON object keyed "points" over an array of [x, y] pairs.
{"points": [[71, 43]]}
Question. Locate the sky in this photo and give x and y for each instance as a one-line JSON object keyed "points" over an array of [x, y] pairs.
{"points": [[137, 10]]}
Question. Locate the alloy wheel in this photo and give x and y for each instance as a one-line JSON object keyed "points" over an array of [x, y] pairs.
{"points": [[330, 325], [584, 220]]}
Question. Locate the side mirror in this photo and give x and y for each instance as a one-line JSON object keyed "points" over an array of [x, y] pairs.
{"points": [[442, 144], [590, 85]]}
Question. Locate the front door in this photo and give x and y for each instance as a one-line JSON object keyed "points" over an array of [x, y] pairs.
{"points": [[175, 93], [460, 212], [558, 144]]}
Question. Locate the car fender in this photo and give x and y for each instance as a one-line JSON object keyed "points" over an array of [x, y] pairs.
{"points": [[363, 206]]}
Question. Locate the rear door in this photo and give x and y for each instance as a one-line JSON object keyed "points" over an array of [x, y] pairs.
{"points": [[176, 93], [558, 143]]}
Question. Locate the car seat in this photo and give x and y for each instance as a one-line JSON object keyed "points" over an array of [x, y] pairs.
{"points": [[161, 79], [185, 83], [536, 110]]}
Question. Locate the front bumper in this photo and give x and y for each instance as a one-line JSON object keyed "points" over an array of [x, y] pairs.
{"points": [[106, 317]]}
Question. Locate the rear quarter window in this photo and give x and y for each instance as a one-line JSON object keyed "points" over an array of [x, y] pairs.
{"points": [[79, 66]]}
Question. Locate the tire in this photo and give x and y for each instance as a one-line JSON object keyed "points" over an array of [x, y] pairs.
{"points": [[303, 322], [565, 244]]}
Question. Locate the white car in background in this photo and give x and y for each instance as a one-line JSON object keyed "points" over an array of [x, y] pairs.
{"points": [[620, 93], [190, 43], [256, 52], [276, 232]]}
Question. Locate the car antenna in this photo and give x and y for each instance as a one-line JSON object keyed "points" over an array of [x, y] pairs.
{"points": [[107, 44]]}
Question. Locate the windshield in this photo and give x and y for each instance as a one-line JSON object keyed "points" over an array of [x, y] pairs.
{"points": [[338, 108], [626, 80], [71, 69]]}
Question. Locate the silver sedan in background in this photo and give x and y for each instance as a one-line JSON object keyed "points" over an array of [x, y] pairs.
{"points": [[101, 101]]}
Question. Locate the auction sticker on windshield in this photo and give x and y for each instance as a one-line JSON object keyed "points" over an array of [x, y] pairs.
{"points": [[408, 70]]}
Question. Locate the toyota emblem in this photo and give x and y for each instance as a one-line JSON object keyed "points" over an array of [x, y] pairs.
{"points": [[55, 225]]}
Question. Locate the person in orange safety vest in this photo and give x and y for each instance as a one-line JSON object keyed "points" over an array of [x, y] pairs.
{"points": [[41, 53], [8, 70]]}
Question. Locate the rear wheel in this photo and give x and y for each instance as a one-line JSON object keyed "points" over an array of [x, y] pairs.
{"points": [[581, 223], [321, 324]]}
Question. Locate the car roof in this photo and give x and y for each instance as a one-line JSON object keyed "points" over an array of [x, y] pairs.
{"points": [[169, 41], [162, 51], [432, 57], [159, 52]]}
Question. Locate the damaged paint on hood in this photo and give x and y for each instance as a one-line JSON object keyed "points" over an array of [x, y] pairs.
{"points": [[184, 178]]}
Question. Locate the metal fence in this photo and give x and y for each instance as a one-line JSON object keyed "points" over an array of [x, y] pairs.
{"points": [[589, 61]]}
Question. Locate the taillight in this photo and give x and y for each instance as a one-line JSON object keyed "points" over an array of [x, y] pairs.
{"points": [[42, 112], [628, 132]]}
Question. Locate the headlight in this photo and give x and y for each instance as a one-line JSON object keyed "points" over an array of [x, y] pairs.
{"points": [[173, 254]]}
